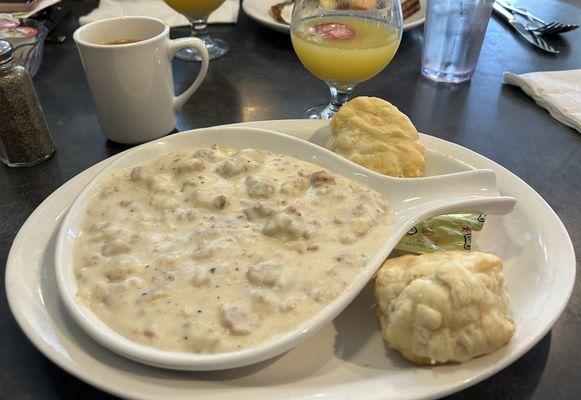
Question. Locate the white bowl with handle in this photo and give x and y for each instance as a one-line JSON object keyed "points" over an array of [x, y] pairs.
{"points": [[412, 199]]}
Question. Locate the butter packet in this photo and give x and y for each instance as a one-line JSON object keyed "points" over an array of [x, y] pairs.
{"points": [[443, 232]]}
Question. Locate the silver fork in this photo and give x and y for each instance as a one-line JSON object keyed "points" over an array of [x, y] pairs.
{"points": [[531, 37], [553, 28], [536, 24]]}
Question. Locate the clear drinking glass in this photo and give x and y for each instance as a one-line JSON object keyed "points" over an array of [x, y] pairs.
{"points": [[197, 12], [453, 35], [344, 42]]}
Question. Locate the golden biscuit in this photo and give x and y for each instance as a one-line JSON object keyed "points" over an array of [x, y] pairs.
{"points": [[375, 134], [443, 307]]}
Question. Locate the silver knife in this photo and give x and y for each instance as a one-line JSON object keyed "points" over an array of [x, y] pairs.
{"points": [[520, 28], [521, 11]]}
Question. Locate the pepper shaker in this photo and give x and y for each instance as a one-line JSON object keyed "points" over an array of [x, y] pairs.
{"points": [[24, 136]]}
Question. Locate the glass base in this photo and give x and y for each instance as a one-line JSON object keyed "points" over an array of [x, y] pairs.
{"points": [[322, 111], [446, 77], [340, 94], [216, 48], [27, 163]]}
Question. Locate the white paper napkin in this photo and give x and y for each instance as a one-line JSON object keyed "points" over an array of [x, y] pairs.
{"points": [[557, 91], [226, 14]]}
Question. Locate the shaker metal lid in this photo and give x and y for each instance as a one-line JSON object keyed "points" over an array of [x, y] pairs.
{"points": [[6, 51]]}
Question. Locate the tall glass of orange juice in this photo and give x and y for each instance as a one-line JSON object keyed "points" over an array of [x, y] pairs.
{"points": [[198, 11], [344, 42]]}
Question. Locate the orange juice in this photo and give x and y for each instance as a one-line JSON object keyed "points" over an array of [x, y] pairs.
{"points": [[195, 8], [344, 49]]}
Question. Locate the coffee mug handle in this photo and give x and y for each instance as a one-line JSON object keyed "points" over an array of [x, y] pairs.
{"points": [[175, 46]]}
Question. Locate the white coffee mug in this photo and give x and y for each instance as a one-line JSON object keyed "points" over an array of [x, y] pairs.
{"points": [[132, 84]]}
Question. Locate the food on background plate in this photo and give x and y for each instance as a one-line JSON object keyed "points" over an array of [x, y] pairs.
{"points": [[8, 21], [11, 29], [210, 250], [18, 32], [282, 12], [443, 307], [410, 7], [375, 134], [347, 4]]}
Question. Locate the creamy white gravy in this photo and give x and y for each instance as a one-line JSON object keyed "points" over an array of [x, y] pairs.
{"points": [[213, 250]]}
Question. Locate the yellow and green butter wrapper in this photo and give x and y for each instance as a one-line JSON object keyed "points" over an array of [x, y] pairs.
{"points": [[444, 232]]}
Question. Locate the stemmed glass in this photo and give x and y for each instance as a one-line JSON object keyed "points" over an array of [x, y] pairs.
{"points": [[344, 42], [197, 12]]}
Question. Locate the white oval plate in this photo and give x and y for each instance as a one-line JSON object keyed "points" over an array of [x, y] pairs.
{"points": [[258, 10], [346, 359]]}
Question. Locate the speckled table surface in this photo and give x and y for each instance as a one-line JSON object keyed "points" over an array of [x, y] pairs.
{"points": [[262, 79]]}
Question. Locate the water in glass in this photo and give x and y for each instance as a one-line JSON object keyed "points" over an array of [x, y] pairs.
{"points": [[453, 36]]}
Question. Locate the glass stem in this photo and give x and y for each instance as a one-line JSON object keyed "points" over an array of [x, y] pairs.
{"points": [[200, 30], [339, 96]]}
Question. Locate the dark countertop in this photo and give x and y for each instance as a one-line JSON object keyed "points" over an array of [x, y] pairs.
{"points": [[262, 79]]}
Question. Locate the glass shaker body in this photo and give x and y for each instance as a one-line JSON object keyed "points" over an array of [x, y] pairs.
{"points": [[24, 136]]}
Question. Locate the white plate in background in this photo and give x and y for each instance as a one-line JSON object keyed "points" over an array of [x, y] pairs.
{"points": [[258, 10], [346, 359]]}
